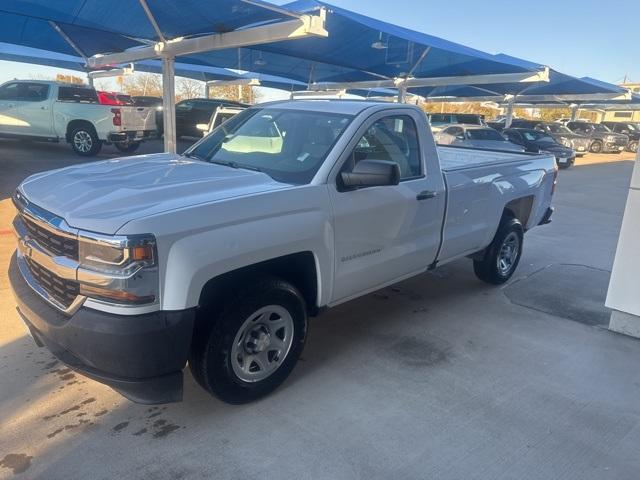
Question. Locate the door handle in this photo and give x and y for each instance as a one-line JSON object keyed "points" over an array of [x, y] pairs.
{"points": [[426, 194]]}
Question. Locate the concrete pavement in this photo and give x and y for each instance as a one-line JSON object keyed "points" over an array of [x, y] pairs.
{"points": [[439, 377]]}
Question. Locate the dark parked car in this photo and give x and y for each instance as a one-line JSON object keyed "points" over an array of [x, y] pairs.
{"points": [[603, 140], [190, 113], [630, 129], [536, 141], [578, 143]]}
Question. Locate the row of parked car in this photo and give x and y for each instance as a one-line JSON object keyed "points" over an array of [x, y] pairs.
{"points": [[566, 141], [88, 119]]}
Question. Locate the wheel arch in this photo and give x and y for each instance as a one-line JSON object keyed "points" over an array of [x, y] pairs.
{"points": [[300, 269], [73, 124], [519, 208]]}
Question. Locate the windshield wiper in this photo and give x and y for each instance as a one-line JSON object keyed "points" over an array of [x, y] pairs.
{"points": [[236, 165]]}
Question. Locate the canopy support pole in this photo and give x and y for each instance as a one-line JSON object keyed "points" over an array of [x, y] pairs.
{"points": [[169, 103], [509, 113], [622, 296], [574, 112], [402, 93]]}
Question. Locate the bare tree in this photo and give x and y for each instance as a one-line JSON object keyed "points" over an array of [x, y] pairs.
{"points": [[146, 84], [238, 93], [189, 88]]}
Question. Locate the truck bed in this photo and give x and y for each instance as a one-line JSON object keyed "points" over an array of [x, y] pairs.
{"points": [[459, 158]]}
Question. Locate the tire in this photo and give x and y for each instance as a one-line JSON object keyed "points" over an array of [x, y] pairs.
{"points": [[490, 268], [596, 146], [84, 141], [234, 355], [127, 147], [633, 146]]}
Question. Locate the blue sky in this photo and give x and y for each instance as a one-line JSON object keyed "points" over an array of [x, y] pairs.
{"points": [[578, 37]]}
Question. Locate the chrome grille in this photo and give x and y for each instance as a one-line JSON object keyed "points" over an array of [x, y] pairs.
{"points": [[62, 290], [54, 243], [620, 141]]}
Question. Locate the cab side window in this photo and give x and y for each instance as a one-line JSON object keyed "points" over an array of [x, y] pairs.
{"points": [[392, 138], [34, 92], [9, 92]]}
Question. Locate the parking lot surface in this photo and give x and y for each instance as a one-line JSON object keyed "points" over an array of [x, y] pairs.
{"points": [[439, 377]]}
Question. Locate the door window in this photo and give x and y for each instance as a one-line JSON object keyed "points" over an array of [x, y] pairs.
{"points": [[392, 138], [33, 92], [9, 92]]}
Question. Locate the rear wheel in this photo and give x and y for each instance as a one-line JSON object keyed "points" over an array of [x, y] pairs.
{"points": [[596, 146], [248, 349], [502, 256], [127, 147], [633, 146], [85, 141]]}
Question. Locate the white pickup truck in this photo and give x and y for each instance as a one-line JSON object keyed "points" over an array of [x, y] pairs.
{"points": [[129, 269], [51, 111]]}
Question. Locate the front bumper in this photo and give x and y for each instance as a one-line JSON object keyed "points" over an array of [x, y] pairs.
{"points": [[546, 218], [139, 356], [610, 147]]}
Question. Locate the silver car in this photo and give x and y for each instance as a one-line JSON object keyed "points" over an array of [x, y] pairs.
{"points": [[470, 136]]}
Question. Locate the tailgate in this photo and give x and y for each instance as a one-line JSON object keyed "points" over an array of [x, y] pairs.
{"points": [[138, 118]]}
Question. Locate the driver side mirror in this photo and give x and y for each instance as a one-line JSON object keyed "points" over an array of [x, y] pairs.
{"points": [[372, 173]]}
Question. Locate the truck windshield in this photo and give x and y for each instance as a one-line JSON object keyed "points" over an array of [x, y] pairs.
{"points": [[287, 145], [598, 127]]}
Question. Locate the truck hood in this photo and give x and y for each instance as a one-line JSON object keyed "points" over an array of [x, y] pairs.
{"points": [[103, 196]]}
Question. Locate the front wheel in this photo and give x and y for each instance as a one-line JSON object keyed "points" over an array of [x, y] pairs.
{"points": [[596, 146], [251, 347], [633, 147], [127, 147], [502, 256]]}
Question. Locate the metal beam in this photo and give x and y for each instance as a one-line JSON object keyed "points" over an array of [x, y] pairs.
{"points": [[252, 82], [116, 72], [169, 104], [533, 99], [306, 25], [525, 77], [152, 20]]}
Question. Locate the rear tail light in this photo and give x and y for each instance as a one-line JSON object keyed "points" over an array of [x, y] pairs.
{"points": [[117, 117]]}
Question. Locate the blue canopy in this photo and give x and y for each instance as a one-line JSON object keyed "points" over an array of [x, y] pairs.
{"points": [[358, 47], [559, 84], [361, 48], [127, 18]]}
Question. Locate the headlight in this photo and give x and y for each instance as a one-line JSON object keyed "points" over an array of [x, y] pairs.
{"points": [[118, 269]]}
